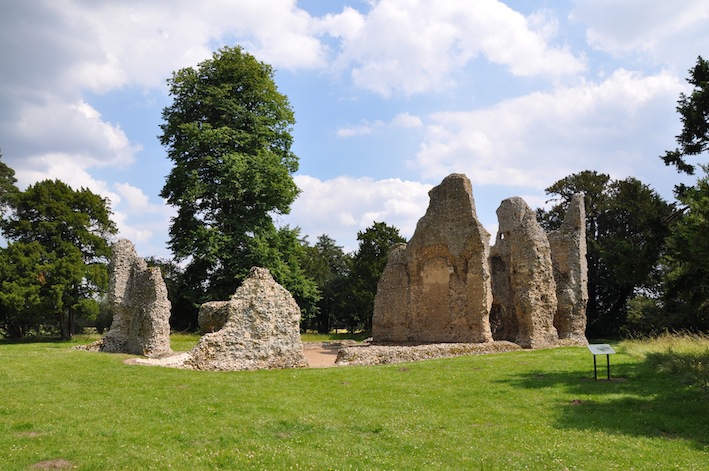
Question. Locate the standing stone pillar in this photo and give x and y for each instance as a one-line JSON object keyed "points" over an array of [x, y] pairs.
{"points": [[568, 255], [141, 310], [522, 248]]}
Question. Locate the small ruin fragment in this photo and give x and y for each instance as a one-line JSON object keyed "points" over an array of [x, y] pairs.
{"points": [[447, 285], [437, 288], [141, 309], [260, 329]]}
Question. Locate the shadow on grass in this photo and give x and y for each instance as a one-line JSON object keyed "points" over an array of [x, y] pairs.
{"points": [[641, 399], [30, 340]]}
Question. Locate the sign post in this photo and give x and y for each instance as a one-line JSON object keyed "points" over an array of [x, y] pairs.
{"points": [[601, 349]]}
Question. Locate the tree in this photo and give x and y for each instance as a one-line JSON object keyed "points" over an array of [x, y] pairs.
{"points": [[626, 227], [329, 266], [687, 262], [686, 300], [20, 286], [8, 189], [66, 233], [694, 111], [228, 135], [367, 267]]}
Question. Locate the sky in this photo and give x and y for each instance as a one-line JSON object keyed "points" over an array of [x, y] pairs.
{"points": [[390, 97]]}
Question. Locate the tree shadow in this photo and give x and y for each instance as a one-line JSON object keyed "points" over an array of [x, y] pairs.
{"points": [[31, 340], [639, 400]]}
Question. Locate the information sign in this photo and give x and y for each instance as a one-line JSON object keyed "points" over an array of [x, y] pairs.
{"points": [[601, 349]]}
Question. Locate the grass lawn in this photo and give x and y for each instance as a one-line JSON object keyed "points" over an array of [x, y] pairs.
{"points": [[519, 410]]}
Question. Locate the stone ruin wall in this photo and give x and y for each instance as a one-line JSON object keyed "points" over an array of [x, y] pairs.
{"points": [[523, 256], [436, 288], [258, 328], [141, 310], [448, 285], [568, 256]]}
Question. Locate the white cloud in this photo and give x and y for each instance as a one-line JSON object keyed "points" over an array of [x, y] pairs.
{"points": [[406, 120], [342, 206], [534, 140], [673, 33], [408, 46]]}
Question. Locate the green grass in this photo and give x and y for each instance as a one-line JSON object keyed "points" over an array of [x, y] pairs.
{"points": [[519, 410]]}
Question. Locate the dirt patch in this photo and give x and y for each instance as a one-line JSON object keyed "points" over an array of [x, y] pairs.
{"points": [[320, 357], [53, 464]]}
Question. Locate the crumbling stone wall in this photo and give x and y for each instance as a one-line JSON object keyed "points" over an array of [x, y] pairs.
{"points": [[448, 285], [141, 309], [523, 249], [437, 287], [568, 255], [261, 331]]}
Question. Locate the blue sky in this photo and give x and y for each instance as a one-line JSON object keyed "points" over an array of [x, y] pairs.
{"points": [[390, 97]]}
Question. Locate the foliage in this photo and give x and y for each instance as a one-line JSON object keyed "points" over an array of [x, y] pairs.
{"points": [[57, 257], [228, 135], [626, 227], [686, 278], [518, 410], [694, 111], [21, 302], [8, 189], [329, 267], [367, 267]]}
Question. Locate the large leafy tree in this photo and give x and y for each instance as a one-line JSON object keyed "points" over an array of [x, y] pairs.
{"points": [[228, 135], [59, 240], [626, 227], [367, 267]]}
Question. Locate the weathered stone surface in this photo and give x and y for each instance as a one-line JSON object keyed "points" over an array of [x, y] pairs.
{"points": [[437, 287], [568, 255], [212, 316], [262, 330], [141, 309], [522, 260]]}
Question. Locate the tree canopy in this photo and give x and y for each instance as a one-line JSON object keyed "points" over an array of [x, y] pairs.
{"points": [[694, 113], [56, 261], [686, 295], [329, 266], [368, 264], [228, 135]]}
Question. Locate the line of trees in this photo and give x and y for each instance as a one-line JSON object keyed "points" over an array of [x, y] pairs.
{"points": [[228, 136]]}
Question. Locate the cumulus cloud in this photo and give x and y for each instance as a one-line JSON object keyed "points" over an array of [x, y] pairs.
{"points": [[141, 221], [408, 47], [342, 206], [536, 139]]}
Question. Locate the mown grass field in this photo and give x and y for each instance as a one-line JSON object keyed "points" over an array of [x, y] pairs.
{"points": [[520, 410]]}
